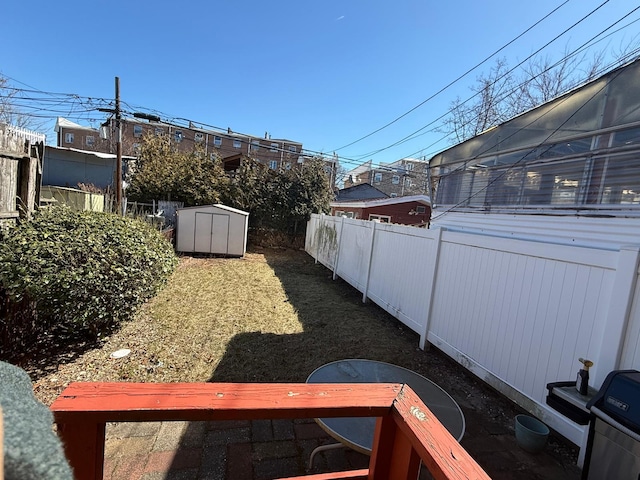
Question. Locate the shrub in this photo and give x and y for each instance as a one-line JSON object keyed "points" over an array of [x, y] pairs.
{"points": [[79, 271]]}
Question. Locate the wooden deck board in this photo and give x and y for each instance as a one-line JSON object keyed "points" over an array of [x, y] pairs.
{"points": [[219, 401], [406, 431]]}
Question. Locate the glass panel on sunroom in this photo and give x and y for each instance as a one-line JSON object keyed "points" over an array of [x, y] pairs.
{"points": [[621, 184]]}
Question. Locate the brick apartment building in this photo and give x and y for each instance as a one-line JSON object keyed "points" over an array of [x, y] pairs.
{"points": [[229, 146], [404, 177]]}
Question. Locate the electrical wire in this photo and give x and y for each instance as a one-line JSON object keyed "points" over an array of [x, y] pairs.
{"points": [[580, 49], [78, 109], [466, 73]]}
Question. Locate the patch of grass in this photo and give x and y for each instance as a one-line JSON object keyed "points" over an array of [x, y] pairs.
{"points": [[270, 317]]}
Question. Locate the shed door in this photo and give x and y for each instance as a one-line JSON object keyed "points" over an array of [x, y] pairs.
{"points": [[211, 233], [220, 235]]}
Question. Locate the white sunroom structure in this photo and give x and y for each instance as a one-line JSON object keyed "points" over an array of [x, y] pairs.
{"points": [[552, 199], [576, 156]]}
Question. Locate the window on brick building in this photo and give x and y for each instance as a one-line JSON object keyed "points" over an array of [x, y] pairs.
{"points": [[68, 137], [380, 218]]}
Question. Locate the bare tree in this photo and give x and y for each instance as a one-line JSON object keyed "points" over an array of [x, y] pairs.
{"points": [[502, 93], [542, 79], [485, 108], [9, 112]]}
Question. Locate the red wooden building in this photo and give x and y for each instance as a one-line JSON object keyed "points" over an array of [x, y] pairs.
{"points": [[411, 210]]}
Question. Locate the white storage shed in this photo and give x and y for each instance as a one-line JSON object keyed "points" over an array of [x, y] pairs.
{"points": [[216, 229]]}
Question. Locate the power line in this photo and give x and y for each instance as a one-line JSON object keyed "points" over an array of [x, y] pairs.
{"points": [[466, 73], [83, 105], [443, 89], [604, 69], [566, 57]]}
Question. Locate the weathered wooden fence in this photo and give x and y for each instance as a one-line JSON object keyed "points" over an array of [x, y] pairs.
{"points": [[517, 313], [21, 153]]}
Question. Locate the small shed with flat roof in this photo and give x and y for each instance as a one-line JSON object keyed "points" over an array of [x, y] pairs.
{"points": [[214, 229]]}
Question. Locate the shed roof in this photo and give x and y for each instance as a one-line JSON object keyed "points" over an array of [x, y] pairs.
{"points": [[62, 122], [218, 205], [88, 152]]}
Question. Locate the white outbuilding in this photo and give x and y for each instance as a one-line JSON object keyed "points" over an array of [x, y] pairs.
{"points": [[215, 229]]}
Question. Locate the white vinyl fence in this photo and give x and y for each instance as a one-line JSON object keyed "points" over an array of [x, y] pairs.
{"points": [[517, 313]]}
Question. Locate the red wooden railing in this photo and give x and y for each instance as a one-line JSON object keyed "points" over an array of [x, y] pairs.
{"points": [[406, 430]]}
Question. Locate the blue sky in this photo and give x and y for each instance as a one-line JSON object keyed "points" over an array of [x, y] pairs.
{"points": [[321, 73]]}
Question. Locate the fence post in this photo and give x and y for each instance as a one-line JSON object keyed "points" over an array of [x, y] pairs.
{"points": [[622, 293], [335, 267], [365, 290], [432, 275], [316, 226]]}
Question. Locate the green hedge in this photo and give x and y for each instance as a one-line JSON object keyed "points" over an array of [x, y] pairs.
{"points": [[77, 272]]}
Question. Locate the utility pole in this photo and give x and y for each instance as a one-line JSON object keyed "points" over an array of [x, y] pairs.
{"points": [[427, 187], [119, 209], [118, 174]]}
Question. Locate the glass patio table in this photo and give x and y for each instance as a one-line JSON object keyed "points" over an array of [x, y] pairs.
{"points": [[357, 432]]}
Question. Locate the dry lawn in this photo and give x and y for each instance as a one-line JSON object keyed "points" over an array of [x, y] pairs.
{"points": [[273, 316]]}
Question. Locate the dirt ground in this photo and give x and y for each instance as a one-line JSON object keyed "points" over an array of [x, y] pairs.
{"points": [[275, 316]]}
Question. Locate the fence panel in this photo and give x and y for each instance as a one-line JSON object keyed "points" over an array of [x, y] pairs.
{"points": [[631, 351], [524, 318], [355, 252], [9, 191], [516, 312], [322, 239], [401, 267]]}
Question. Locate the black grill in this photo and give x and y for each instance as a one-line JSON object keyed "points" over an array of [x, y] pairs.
{"points": [[613, 446]]}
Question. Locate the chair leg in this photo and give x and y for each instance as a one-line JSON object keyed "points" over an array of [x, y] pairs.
{"points": [[323, 448]]}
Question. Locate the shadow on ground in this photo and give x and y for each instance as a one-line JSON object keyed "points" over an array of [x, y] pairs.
{"points": [[338, 325]]}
